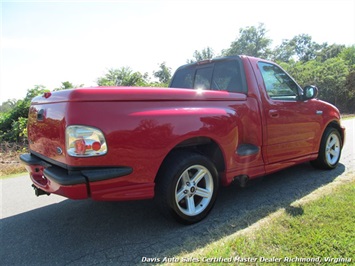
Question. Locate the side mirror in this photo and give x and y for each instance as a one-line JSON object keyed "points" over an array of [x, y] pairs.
{"points": [[309, 92]]}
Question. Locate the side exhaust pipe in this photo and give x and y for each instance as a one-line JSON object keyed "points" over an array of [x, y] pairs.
{"points": [[39, 192], [241, 180]]}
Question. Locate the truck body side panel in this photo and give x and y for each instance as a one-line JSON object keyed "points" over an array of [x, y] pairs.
{"points": [[254, 133]]}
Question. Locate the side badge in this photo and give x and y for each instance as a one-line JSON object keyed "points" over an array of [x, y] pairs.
{"points": [[59, 151]]}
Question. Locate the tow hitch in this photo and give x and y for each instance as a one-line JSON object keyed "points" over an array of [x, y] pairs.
{"points": [[39, 192]]}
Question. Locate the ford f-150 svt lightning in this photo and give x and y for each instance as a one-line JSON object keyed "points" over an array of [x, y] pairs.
{"points": [[222, 120]]}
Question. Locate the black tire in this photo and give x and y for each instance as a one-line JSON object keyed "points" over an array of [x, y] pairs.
{"points": [[186, 187], [329, 150]]}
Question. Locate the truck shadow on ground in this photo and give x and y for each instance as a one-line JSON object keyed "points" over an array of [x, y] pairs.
{"points": [[124, 233]]}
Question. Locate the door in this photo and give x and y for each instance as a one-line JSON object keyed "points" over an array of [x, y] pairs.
{"points": [[291, 124]]}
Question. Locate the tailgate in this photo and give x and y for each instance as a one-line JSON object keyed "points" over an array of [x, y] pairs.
{"points": [[46, 130]]}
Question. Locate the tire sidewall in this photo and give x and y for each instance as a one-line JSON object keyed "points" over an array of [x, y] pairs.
{"points": [[183, 165], [323, 152]]}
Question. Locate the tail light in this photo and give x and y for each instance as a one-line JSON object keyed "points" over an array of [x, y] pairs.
{"points": [[83, 141]]}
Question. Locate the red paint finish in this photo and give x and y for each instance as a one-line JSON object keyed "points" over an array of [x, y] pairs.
{"points": [[143, 125], [39, 180]]}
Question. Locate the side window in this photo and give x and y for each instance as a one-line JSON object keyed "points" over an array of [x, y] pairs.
{"points": [[226, 77], [279, 85], [203, 78]]}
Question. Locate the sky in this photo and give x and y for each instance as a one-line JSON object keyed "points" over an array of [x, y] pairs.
{"points": [[49, 42]]}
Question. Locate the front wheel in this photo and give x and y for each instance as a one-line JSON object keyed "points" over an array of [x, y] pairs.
{"points": [[187, 186], [329, 150]]}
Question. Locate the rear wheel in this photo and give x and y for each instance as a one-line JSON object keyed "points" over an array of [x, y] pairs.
{"points": [[329, 150], [187, 186]]}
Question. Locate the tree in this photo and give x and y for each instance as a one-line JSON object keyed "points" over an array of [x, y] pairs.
{"points": [[13, 123], [206, 54], [35, 91], [123, 76], [329, 51], [252, 41], [350, 93], [305, 48], [163, 74], [66, 85], [109, 79], [348, 55], [302, 48], [332, 78], [8, 105], [284, 52]]}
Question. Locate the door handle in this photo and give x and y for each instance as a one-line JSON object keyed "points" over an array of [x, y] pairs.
{"points": [[40, 115], [274, 114]]}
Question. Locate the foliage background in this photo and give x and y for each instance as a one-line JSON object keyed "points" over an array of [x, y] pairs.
{"points": [[330, 67]]}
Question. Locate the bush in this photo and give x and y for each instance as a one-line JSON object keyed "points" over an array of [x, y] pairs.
{"points": [[13, 122], [9, 158]]}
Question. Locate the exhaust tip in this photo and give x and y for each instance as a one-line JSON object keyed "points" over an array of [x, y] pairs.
{"points": [[241, 180]]}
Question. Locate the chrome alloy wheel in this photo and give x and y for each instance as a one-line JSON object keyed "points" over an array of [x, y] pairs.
{"points": [[194, 190], [332, 149]]}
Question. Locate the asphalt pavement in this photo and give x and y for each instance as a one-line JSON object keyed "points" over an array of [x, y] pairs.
{"points": [[52, 230]]}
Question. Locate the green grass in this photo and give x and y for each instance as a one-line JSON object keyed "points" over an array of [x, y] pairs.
{"points": [[323, 228], [14, 175], [347, 116], [9, 159], [11, 170]]}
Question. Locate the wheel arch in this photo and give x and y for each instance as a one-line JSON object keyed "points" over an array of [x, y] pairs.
{"points": [[329, 154], [203, 145], [336, 125]]}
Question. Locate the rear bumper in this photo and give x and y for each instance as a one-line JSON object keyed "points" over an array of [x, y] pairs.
{"points": [[73, 184]]}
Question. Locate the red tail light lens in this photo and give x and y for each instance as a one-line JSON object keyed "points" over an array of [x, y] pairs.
{"points": [[96, 146]]}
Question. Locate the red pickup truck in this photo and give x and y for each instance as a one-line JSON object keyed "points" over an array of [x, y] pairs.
{"points": [[222, 120]]}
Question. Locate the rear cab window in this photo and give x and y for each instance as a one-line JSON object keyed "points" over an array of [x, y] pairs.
{"points": [[221, 75]]}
